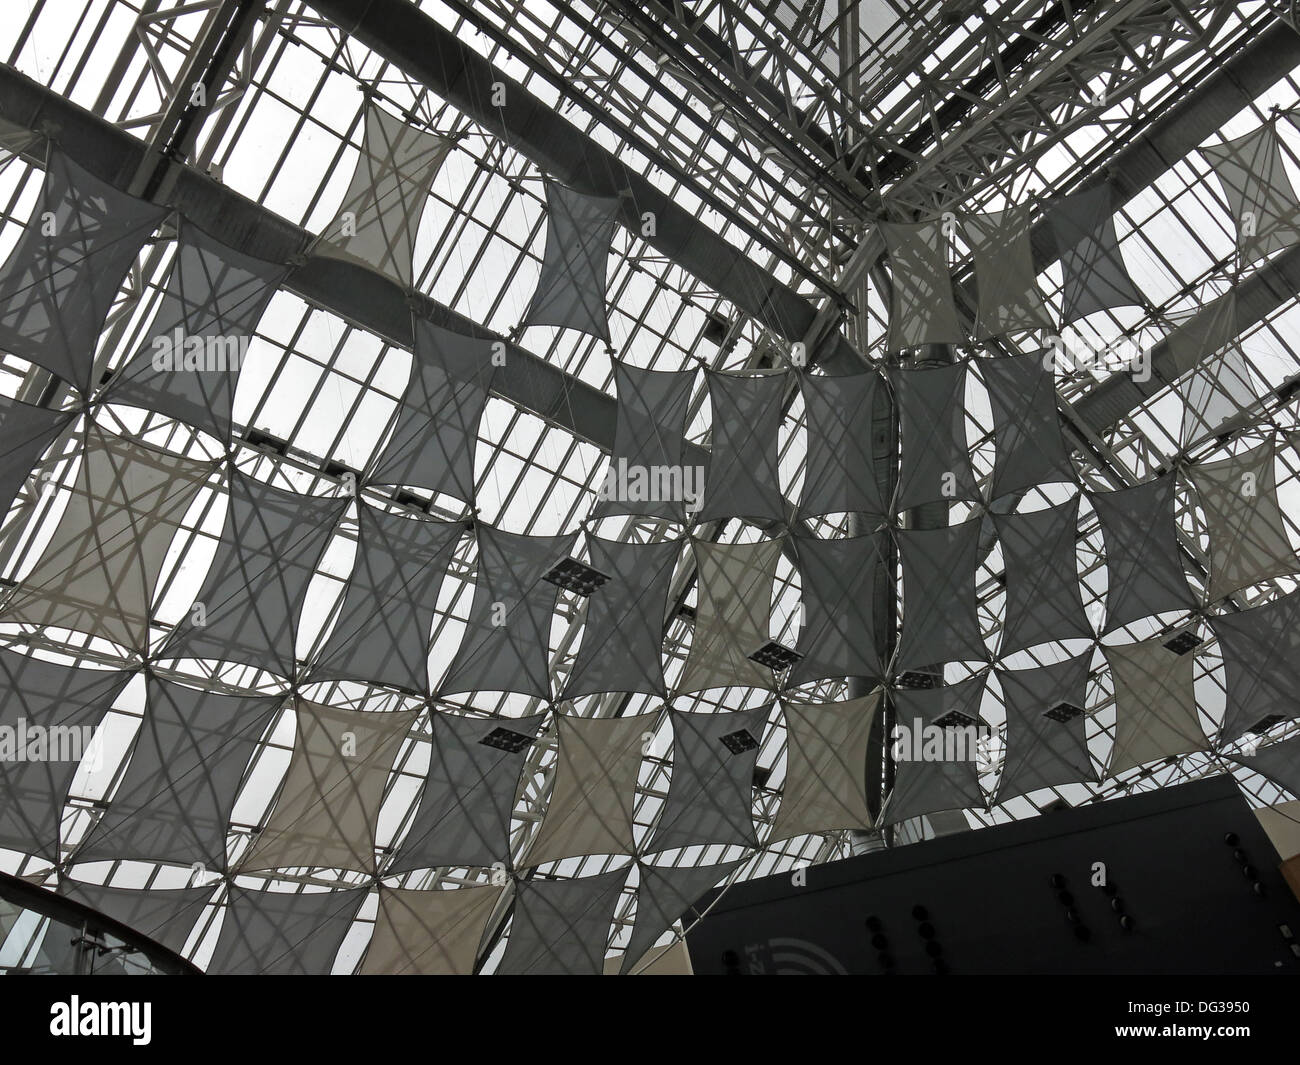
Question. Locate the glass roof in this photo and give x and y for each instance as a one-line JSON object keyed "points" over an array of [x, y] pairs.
{"points": [[788, 130]]}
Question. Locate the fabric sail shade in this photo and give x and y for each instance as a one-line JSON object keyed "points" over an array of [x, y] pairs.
{"points": [[35, 694], [253, 594], [1047, 743], [932, 422], [561, 927], [623, 638], [429, 933], [1094, 277], [740, 478], [462, 817], [1155, 705], [1261, 198], [328, 807], [1261, 662], [437, 424], [841, 467], [732, 615], [187, 366], [571, 289], [382, 630], [926, 781], [921, 310], [505, 644], [826, 784], [59, 284], [175, 799], [1005, 278], [709, 795], [649, 444], [376, 224], [99, 570], [590, 811], [279, 933]]}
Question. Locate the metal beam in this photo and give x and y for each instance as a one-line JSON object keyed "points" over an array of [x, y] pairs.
{"points": [[365, 299], [380, 307], [412, 41], [1250, 72], [1269, 288]]}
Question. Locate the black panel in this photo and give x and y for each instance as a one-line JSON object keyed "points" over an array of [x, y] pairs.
{"points": [[1013, 898]]}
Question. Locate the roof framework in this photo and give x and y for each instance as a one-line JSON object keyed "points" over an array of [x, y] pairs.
{"points": [[770, 139]]}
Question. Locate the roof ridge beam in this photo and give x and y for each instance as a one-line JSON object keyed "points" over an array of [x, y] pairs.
{"points": [[415, 43]]}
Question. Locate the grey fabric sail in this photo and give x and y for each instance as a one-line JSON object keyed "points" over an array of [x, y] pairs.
{"points": [[1155, 705], [624, 631], [590, 811], [165, 915], [646, 474], [664, 895], [838, 636], [826, 769], [327, 809], [187, 366], [1045, 751], [732, 615], [59, 283], [1202, 332], [508, 631], [1094, 277], [935, 766], [1261, 662], [1143, 567], [940, 620], [1029, 447], [921, 310], [740, 480], [839, 476], [253, 593], [1215, 388], [1260, 196], [561, 927], [382, 631], [571, 289], [279, 933], [376, 224], [932, 423], [1248, 538], [48, 712], [436, 428], [710, 793], [1215, 395], [1005, 278], [1043, 602], [26, 432], [463, 816], [1280, 762], [99, 570], [174, 801], [429, 933]]}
